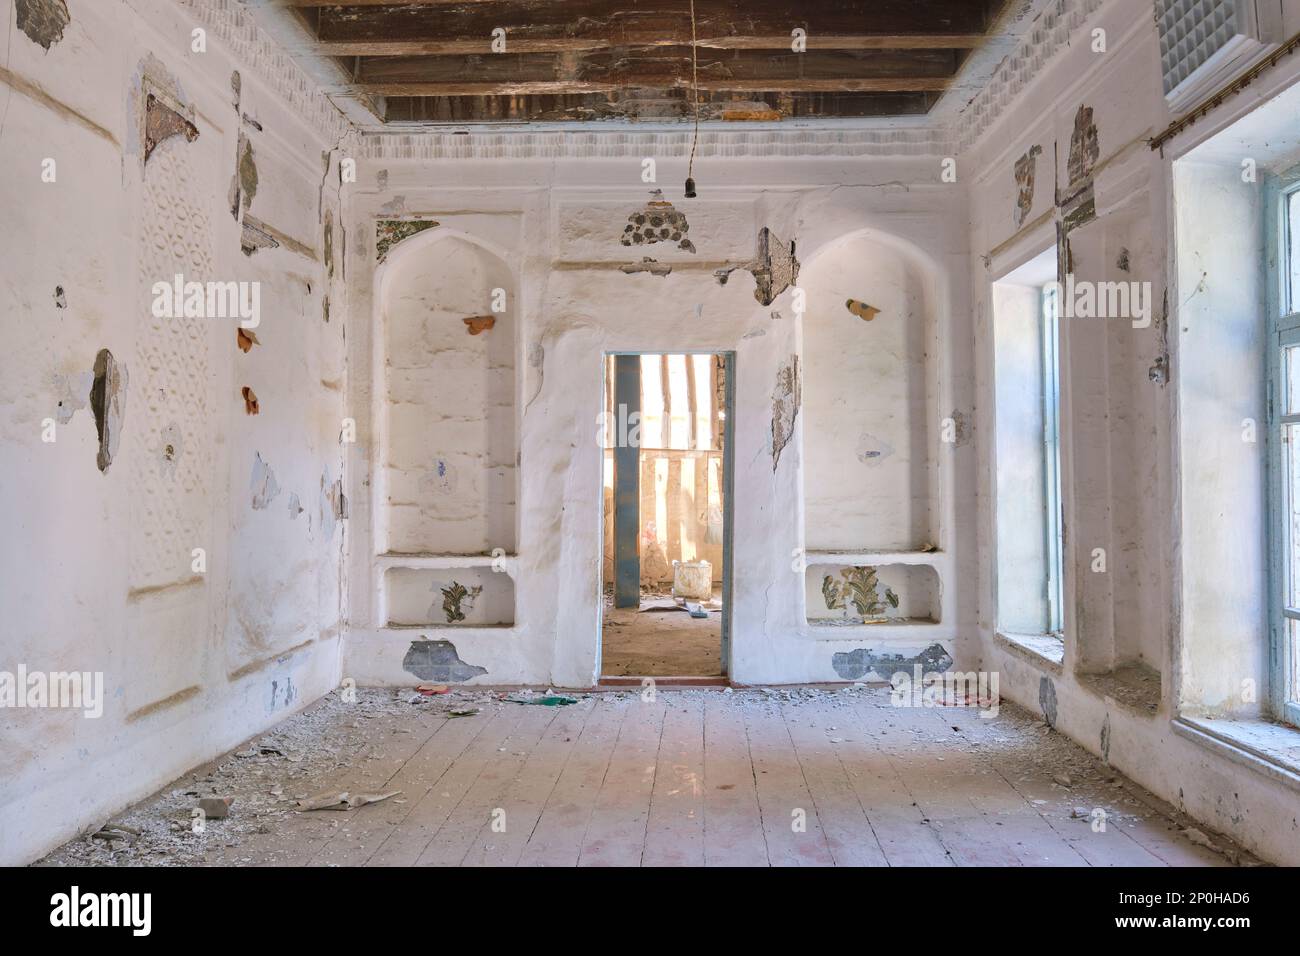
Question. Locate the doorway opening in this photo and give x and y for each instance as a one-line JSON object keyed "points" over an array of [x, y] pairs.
{"points": [[666, 573]]}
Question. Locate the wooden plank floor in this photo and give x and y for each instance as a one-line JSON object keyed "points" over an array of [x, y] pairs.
{"points": [[777, 777]]}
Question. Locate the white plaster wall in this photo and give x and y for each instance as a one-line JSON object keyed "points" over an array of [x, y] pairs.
{"points": [[1138, 481], [558, 227], [95, 568]]}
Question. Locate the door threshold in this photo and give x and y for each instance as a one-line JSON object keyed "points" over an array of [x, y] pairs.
{"points": [[661, 681]]}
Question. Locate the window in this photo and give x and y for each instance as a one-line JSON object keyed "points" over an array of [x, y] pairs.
{"points": [[1051, 389], [1284, 428], [1027, 402]]}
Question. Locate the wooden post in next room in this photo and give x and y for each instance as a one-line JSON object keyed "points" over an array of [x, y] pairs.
{"points": [[627, 469]]}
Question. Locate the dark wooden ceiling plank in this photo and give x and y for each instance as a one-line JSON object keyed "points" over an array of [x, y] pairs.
{"points": [[666, 62], [902, 84], [646, 22], [596, 107], [465, 47]]}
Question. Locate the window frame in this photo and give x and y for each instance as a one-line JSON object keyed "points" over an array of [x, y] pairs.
{"points": [[1283, 334], [1053, 526]]}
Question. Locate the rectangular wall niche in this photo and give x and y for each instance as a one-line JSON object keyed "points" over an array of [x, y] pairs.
{"points": [[448, 429], [847, 595], [451, 597], [869, 410]]}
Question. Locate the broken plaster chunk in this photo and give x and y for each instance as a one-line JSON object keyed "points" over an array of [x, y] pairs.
{"points": [[342, 800], [479, 323], [216, 808]]}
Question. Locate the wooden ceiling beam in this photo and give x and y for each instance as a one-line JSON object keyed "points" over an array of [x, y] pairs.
{"points": [[472, 46], [646, 23], [667, 64], [554, 87]]}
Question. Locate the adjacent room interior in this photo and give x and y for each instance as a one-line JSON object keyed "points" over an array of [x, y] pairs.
{"points": [[706, 432], [665, 512]]}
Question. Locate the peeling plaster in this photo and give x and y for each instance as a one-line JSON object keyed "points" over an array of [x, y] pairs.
{"points": [[659, 221], [327, 244], [332, 504], [1026, 171], [872, 450], [171, 448], [108, 402], [1047, 700], [859, 586], [437, 661], [458, 600], [162, 122], [652, 266], [253, 237], [786, 398], [479, 323], [243, 184], [389, 232], [1085, 147], [60, 299], [73, 394], [857, 664], [961, 429], [263, 483], [42, 21], [774, 269], [1105, 739], [295, 506], [250, 401], [246, 339]]}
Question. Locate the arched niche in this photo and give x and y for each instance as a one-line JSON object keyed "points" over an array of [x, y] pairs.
{"points": [[868, 398], [447, 386]]}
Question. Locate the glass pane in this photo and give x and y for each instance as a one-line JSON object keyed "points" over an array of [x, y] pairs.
{"points": [[1293, 646], [1291, 489], [1293, 249], [1291, 380]]}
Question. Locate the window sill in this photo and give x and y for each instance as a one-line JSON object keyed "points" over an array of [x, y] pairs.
{"points": [[1043, 650], [1268, 748]]}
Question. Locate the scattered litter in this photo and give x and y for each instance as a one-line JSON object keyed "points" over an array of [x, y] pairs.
{"points": [[544, 700], [695, 610], [465, 712], [1063, 779], [429, 690]]}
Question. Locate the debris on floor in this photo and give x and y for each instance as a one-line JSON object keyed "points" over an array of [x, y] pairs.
{"points": [[342, 800], [343, 756]]}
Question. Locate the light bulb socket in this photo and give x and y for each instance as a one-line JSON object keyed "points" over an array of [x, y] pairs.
{"points": [[690, 188]]}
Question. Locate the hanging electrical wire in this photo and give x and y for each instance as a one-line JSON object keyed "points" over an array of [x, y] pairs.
{"points": [[695, 97]]}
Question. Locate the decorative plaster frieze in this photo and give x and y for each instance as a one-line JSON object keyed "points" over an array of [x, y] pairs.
{"points": [[231, 23]]}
